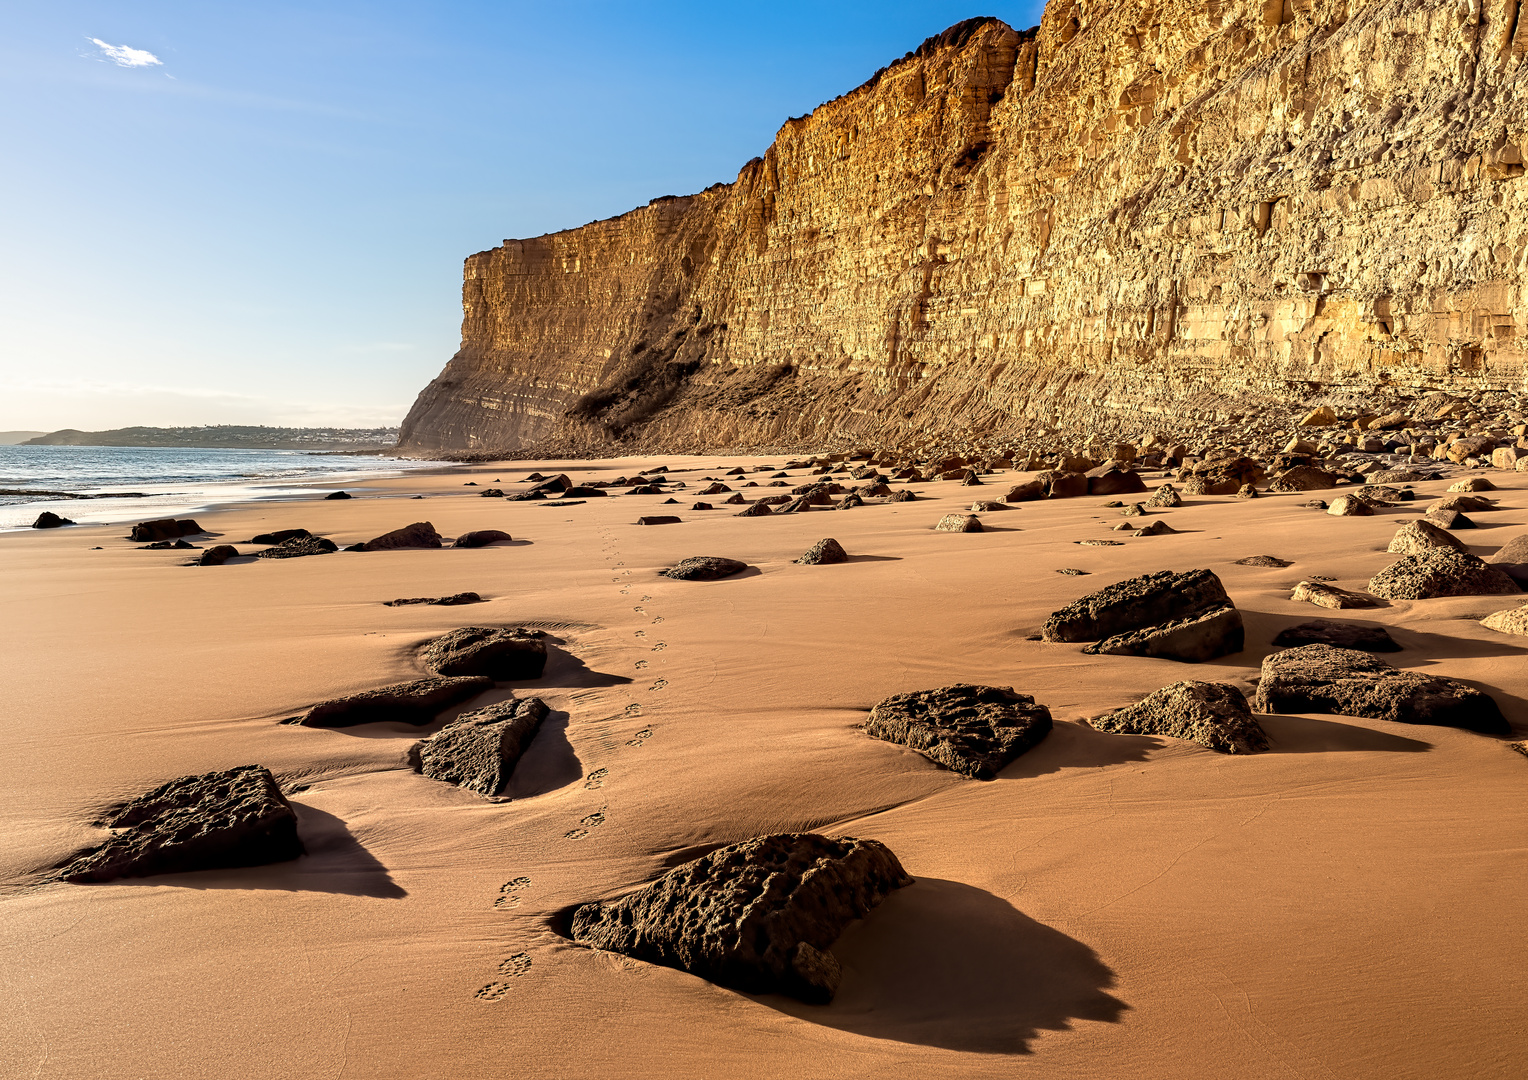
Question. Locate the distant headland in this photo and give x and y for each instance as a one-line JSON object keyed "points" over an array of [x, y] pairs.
{"points": [[227, 437]]}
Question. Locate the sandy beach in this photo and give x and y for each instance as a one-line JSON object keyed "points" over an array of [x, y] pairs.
{"points": [[1112, 905]]}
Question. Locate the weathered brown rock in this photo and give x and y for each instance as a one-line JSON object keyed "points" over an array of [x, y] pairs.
{"points": [[1448, 519], [1440, 572], [1111, 479], [339, 495], [1349, 506], [758, 509], [481, 538], [1323, 679], [1192, 638], [1303, 478], [237, 817], [704, 568], [217, 556], [1165, 496], [1215, 715], [1134, 604], [299, 546], [960, 523], [1343, 635], [1264, 560], [760, 916], [659, 519], [279, 536], [417, 703], [504, 654], [826, 550], [1512, 559], [479, 749], [1026, 492], [1417, 536], [49, 520], [1461, 503], [1510, 621], [1330, 596], [973, 730], [439, 601], [1156, 528], [421, 534]]}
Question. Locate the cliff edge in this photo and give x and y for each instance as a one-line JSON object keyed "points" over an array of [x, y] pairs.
{"points": [[1127, 216]]}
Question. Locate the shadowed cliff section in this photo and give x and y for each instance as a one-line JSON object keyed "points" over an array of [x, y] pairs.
{"points": [[1123, 216]]}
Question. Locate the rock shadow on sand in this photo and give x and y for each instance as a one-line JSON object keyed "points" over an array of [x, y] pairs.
{"points": [[944, 964], [1307, 735], [335, 862], [548, 764]]}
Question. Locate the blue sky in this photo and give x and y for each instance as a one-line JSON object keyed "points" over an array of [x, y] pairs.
{"points": [[227, 212]]}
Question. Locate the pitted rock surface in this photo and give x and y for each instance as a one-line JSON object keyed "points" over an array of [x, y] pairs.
{"points": [[1324, 679], [503, 654], [1344, 635], [1134, 604], [704, 568], [417, 703], [1330, 596], [973, 730], [1210, 632], [479, 749], [438, 601], [1215, 715], [481, 538], [237, 817], [759, 916], [1418, 536], [826, 550], [421, 534], [1440, 572], [297, 547]]}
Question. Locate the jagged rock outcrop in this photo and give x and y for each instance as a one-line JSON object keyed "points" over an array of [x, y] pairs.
{"points": [[1128, 213]]}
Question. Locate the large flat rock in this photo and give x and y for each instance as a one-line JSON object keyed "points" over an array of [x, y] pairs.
{"points": [[973, 730], [417, 702], [237, 817], [759, 916], [1134, 604]]}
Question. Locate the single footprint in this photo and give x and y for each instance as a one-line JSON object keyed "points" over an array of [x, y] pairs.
{"points": [[596, 779], [516, 965], [658, 619], [509, 892], [640, 610], [640, 737], [640, 633], [660, 646], [641, 664], [645, 599], [659, 685], [492, 992], [593, 821], [634, 709]]}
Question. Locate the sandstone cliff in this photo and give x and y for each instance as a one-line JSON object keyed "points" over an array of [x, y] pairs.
{"points": [[1126, 216]]}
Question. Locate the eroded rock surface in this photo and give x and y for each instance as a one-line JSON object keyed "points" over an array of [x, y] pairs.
{"points": [[826, 550], [502, 654], [1415, 537], [237, 817], [417, 703], [1215, 715], [439, 601], [1344, 635], [1190, 606], [1325, 595], [1440, 572], [297, 547], [760, 916], [973, 730], [481, 538], [421, 534], [479, 749], [1324, 679], [161, 529], [704, 568]]}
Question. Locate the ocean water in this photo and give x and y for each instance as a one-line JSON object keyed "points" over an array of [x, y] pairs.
{"points": [[134, 483]]}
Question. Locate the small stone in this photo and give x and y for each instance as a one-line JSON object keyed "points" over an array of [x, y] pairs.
{"points": [[960, 523], [702, 506], [49, 520], [1156, 528], [1214, 715], [1133, 510], [146, 532], [1322, 416], [758, 509], [1473, 483], [217, 556], [973, 730], [298, 547], [1349, 506], [826, 550], [338, 495], [659, 519], [1264, 560], [439, 601], [1072, 572]]}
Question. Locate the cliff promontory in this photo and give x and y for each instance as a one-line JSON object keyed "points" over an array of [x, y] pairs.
{"points": [[1129, 215]]}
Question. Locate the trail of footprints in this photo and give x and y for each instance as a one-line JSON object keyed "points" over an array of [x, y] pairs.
{"points": [[511, 891]]}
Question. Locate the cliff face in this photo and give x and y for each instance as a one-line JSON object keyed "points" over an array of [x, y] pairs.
{"points": [[1129, 215]]}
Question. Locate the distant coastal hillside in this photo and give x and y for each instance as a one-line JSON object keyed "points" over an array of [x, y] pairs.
{"points": [[11, 438], [227, 437]]}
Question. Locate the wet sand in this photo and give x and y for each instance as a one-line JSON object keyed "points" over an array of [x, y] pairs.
{"points": [[1342, 906]]}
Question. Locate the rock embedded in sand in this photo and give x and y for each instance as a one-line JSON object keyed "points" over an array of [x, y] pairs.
{"points": [[1215, 715], [1463, 504], [1448, 519], [439, 601], [1185, 616], [1303, 478], [1418, 536], [417, 703], [1112, 480], [219, 820], [760, 916], [49, 520], [1349, 506], [1472, 483], [1324, 679], [1192, 639], [1512, 558], [973, 730], [1264, 560], [504, 654], [1157, 528], [1027, 492], [1329, 596], [217, 556], [959, 523], [299, 546], [551, 485], [1440, 572], [758, 509], [338, 495], [659, 519], [278, 536], [481, 538], [1511, 621], [1343, 635], [163, 529], [421, 534], [1165, 496], [704, 568], [826, 550], [479, 749]]}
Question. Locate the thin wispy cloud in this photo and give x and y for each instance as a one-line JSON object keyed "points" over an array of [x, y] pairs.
{"points": [[127, 56]]}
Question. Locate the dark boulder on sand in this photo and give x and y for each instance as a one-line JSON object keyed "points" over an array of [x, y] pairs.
{"points": [[1344, 635], [502, 654], [299, 546], [417, 703], [218, 820], [826, 550], [760, 916], [49, 520], [438, 601], [217, 556], [278, 536], [421, 534], [972, 730], [704, 568], [1324, 679], [478, 750], [1175, 616], [1215, 715], [338, 495], [481, 538], [146, 532]]}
